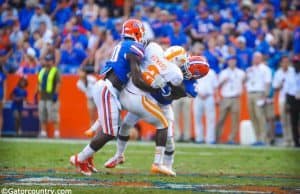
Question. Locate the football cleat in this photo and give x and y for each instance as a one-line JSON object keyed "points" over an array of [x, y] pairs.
{"points": [[161, 169], [114, 161], [91, 164], [81, 167]]}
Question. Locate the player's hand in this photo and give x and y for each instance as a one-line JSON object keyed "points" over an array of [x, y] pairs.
{"points": [[158, 82]]}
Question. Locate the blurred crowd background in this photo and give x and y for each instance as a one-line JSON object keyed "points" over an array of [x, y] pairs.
{"points": [[83, 32], [80, 34]]}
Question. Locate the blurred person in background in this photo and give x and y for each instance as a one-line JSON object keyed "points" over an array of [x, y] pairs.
{"points": [[6, 48], [71, 57], [25, 14], [292, 88], [201, 25], [269, 113], [13, 61], [29, 63], [79, 40], [85, 84], [104, 20], [48, 88], [287, 22], [205, 102], [258, 82], [103, 53], [285, 70], [231, 87], [62, 13], [177, 35], [9, 13], [197, 49], [39, 17], [90, 11], [16, 35], [243, 53], [213, 55], [251, 34], [45, 32], [50, 48], [185, 15], [95, 38], [83, 23], [162, 24], [296, 41], [222, 47], [2, 95], [182, 113], [18, 96]]}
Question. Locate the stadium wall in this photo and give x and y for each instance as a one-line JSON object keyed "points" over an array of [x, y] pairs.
{"points": [[73, 111]]}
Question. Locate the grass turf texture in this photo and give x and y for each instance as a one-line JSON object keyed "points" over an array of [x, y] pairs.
{"points": [[207, 166]]}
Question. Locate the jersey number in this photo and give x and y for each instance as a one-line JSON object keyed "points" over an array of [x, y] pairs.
{"points": [[115, 54]]}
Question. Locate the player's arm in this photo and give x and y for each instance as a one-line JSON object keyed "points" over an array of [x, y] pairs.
{"points": [[178, 92], [136, 73]]}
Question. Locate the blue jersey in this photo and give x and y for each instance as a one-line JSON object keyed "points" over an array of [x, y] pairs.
{"points": [[118, 62], [189, 91], [19, 93]]}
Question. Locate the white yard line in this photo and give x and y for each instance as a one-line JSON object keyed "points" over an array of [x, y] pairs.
{"points": [[140, 143]]}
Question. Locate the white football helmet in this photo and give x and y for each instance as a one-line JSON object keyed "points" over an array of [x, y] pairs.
{"points": [[176, 55]]}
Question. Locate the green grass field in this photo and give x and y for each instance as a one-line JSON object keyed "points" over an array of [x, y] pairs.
{"points": [[41, 164]]}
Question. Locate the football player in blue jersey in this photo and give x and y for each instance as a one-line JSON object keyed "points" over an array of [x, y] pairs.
{"points": [[195, 68], [124, 63]]}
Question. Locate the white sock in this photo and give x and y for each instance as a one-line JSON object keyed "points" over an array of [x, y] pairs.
{"points": [[121, 146], [168, 160], [159, 154], [85, 153]]}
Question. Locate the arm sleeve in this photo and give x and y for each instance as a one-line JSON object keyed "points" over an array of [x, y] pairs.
{"points": [[138, 50]]}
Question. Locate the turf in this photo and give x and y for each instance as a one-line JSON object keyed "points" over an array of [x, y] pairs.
{"points": [[199, 168]]}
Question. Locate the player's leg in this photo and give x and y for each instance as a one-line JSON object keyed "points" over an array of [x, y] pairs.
{"points": [[150, 112], [235, 118], [108, 113], [187, 119], [43, 117], [170, 146], [155, 116], [210, 120], [198, 112], [52, 110], [123, 136], [224, 109], [261, 121]]}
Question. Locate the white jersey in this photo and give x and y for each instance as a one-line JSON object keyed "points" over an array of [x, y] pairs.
{"points": [[154, 55]]}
